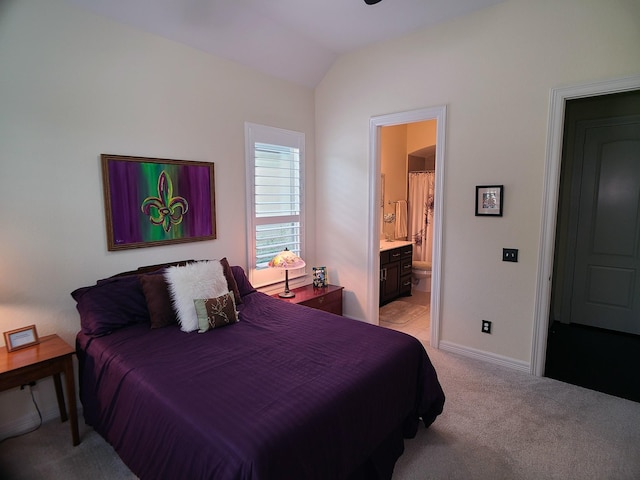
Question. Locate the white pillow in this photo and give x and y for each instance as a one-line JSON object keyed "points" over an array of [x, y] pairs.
{"points": [[191, 281]]}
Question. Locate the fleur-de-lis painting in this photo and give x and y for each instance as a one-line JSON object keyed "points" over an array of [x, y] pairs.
{"points": [[155, 201], [165, 209]]}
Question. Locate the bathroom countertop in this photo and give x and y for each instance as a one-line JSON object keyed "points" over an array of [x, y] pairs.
{"points": [[384, 245]]}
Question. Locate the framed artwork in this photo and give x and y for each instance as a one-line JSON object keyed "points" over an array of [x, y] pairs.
{"points": [[319, 277], [21, 338], [489, 200], [153, 201]]}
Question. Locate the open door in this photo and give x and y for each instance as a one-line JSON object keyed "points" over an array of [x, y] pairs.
{"points": [[595, 314]]}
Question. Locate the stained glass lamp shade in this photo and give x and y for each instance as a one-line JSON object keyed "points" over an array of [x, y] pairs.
{"points": [[288, 260]]}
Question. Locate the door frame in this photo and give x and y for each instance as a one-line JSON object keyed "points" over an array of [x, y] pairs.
{"points": [[438, 113], [558, 99]]}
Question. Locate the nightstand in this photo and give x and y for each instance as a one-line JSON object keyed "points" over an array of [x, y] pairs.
{"points": [[327, 298], [51, 357]]}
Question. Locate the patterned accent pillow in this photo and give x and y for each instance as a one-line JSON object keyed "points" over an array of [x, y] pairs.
{"points": [[216, 312], [195, 280]]}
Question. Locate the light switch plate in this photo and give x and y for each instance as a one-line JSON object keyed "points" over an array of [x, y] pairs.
{"points": [[509, 254]]}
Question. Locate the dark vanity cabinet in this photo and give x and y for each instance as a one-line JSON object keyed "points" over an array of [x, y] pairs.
{"points": [[395, 273]]}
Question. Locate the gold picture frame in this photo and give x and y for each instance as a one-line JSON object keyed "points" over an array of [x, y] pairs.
{"points": [[21, 338], [157, 201]]}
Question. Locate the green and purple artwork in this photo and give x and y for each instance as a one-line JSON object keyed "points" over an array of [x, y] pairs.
{"points": [[154, 201]]}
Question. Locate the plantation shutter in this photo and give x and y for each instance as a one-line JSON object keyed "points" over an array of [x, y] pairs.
{"points": [[275, 197]]}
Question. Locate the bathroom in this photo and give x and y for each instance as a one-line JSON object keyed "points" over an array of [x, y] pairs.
{"points": [[407, 165]]}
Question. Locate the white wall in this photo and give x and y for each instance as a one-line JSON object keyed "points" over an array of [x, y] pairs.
{"points": [[74, 85], [494, 70]]}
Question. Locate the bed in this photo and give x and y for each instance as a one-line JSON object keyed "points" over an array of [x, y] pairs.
{"points": [[286, 392]]}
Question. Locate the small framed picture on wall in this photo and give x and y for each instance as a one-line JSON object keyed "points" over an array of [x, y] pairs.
{"points": [[489, 200]]}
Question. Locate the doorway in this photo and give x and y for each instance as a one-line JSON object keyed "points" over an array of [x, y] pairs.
{"points": [[594, 316], [376, 124], [558, 99], [407, 164]]}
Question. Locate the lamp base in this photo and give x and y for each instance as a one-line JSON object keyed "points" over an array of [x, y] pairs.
{"points": [[287, 293]]}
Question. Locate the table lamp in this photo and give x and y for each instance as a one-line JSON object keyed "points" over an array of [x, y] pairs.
{"points": [[288, 260]]}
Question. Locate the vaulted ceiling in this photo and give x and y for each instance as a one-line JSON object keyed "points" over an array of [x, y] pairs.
{"points": [[297, 40]]}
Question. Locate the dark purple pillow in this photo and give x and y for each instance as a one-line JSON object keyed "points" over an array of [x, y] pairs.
{"points": [[244, 286], [231, 281], [111, 304], [156, 293]]}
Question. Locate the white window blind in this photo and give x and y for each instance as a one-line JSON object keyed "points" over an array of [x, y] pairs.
{"points": [[275, 166]]}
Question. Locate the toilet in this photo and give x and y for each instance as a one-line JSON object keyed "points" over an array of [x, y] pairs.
{"points": [[421, 275]]}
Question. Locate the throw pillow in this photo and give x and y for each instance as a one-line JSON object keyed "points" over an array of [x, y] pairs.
{"points": [[194, 280], [156, 292], [231, 281], [243, 283], [215, 312], [111, 304]]}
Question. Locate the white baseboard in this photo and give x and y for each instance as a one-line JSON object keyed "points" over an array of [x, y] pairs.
{"points": [[485, 356]]}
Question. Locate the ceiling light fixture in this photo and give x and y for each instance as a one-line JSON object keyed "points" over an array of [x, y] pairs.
{"points": [[371, 2]]}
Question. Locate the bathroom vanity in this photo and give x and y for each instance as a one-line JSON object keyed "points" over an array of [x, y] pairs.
{"points": [[395, 270]]}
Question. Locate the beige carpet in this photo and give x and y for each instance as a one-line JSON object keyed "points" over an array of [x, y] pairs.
{"points": [[497, 424]]}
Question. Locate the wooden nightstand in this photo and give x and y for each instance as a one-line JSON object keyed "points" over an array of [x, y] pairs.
{"points": [[327, 298], [52, 356]]}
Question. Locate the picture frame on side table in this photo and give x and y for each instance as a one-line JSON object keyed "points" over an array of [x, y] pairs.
{"points": [[319, 277], [489, 200], [21, 338]]}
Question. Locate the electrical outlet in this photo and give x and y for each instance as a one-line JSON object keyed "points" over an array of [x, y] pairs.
{"points": [[509, 254], [486, 326]]}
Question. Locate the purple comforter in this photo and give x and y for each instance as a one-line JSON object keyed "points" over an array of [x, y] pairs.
{"points": [[286, 393]]}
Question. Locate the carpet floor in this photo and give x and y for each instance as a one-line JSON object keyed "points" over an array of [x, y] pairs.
{"points": [[498, 424]]}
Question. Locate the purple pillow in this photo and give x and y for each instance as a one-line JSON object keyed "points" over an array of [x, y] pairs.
{"points": [[244, 286], [111, 304], [156, 293], [231, 281]]}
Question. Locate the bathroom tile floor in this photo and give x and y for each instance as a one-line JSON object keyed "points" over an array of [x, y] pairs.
{"points": [[410, 315]]}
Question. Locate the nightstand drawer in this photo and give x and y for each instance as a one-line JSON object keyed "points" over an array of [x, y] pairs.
{"points": [[330, 302], [327, 298]]}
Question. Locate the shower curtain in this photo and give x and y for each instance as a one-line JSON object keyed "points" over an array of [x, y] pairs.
{"points": [[421, 195]]}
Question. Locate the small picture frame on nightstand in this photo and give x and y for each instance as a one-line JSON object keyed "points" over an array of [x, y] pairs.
{"points": [[21, 338], [319, 277]]}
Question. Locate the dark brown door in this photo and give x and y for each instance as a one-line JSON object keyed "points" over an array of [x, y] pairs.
{"points": [[606, 283]]}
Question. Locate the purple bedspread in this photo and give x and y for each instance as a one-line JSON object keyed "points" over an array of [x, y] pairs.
{"points": [[286, 393]]}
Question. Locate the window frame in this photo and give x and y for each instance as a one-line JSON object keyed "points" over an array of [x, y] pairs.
{"points": [[255, 133]]}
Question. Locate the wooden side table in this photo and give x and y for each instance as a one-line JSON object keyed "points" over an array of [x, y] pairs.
{"points": [[327, 298], [51, 357]]}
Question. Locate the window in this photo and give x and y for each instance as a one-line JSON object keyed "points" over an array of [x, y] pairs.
{"points": [[275, 198]]}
